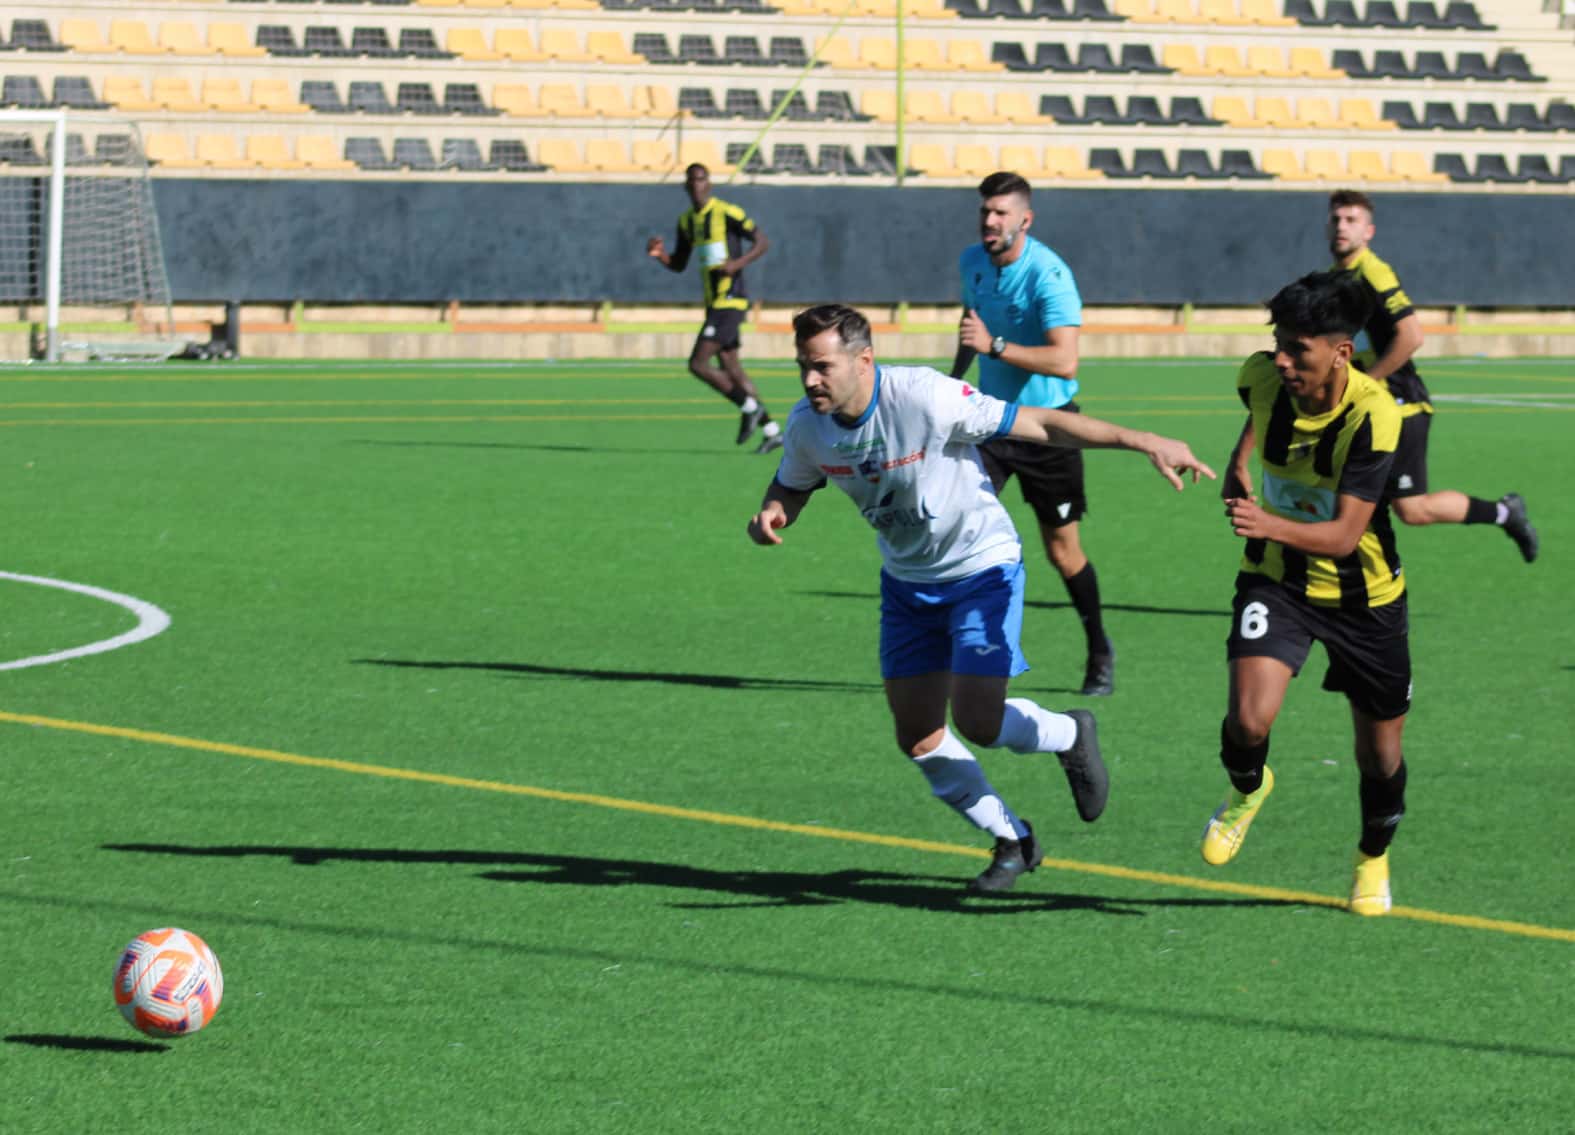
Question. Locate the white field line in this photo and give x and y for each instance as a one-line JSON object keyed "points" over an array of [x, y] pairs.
{"points": [[151, 620], [1522, 401]]}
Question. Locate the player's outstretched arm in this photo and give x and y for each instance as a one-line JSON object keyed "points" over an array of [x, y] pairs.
{"points": [[1169, 455], [780, 508]]}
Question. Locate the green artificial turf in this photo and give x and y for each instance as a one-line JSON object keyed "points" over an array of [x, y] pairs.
{"points": [[507, 578]]}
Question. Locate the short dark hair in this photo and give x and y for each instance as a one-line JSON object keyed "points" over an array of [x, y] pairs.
{"points": [[1340, 198], [692, 166], [1328, 303], [1003, 183], [851, 327]]}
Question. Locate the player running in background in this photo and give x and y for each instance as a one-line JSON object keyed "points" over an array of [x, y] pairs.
{"points": [[715, 232], [1385, 347], [1320, 565], [1021, 317], [902, 443]]}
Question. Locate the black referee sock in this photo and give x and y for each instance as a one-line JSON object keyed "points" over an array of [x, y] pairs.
{"points": [[1244, 763], [1084, 590], [1383, 803], [1479, 511]]}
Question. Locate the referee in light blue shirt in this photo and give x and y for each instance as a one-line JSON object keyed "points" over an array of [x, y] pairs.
{"points": [[1021, 315]]}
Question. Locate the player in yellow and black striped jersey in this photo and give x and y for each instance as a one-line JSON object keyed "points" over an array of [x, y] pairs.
{"points": [[1320, 565], [715, 232], [1384, 349]]}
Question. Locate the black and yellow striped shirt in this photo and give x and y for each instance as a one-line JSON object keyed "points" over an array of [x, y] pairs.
{"points": [[1308, 462], [715, 233], [1390, 305]]}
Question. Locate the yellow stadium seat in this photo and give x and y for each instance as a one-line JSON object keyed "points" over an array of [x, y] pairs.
{"points": [[1358, 114], [609, 155], [1177, 12], [563, 46], [133, 37], [232, 40], [515, 100], [925, 55], [561, 100], [610, 48], [174, 93], [655, 102], [1017, 107], [875, 9], [974, 106], [1063, 163], [1283, 164], [85, 36], [1266, 14], [439, 3], [1310, 63], [224, 96], [275, 97], [1326, 165], [1269, 63], [970, 55], [470, 43], [179, 37], [485, 3], [128, 93], [930, 159], [1232, 110], [271, 151], [880, 102], [516, 44], [1183, 59], [1223, 13], [319, 152], [1368, 165], [562, 154], [1412, 166], [1276, 113], [878, 53], [1316, 114], [607, 101], [704, 151], [1022, 160], [1226, 61], [975, 160], [169, 150], [653, 156], [1138, 11], [220, 151], [929, 106], [928, 10], [836, 52]]}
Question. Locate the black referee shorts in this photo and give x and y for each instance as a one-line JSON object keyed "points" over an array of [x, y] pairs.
{"points": [[1408, 473], [1369, 649], [1051, 477]]}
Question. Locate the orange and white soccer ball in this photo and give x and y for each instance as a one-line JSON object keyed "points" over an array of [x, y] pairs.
{"points": [[168, 983]]}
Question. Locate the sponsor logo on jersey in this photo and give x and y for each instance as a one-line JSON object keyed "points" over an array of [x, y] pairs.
{"points": [[1296, 501], [887, 515]]}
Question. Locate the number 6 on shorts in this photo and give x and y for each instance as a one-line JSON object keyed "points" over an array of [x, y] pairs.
{"points": [[1254, 621]]}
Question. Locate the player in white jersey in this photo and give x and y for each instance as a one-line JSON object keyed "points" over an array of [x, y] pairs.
{"points": [[901, 442]]}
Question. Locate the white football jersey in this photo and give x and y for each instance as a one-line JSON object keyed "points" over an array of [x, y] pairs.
{"points": [[910, 465]]}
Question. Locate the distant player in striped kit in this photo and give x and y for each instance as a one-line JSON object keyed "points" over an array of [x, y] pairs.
{"points": [[902, 442]]}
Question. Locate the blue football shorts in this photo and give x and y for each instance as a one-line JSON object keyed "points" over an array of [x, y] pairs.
{"points": [[972, 625]]}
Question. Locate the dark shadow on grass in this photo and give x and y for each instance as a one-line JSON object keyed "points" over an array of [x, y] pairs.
{"points": [[767, 888], [600, 449], [709, 968], [669, 677], [84, 1043], [1132, 608]]}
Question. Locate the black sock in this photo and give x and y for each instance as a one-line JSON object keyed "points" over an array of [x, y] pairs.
{"points": [[1244, 763], [737, 396], [1479, 511], [1084, 590], [1383, 803]]}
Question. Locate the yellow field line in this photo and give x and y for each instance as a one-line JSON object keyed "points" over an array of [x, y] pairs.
{"points": [[846, 835], [239, 403]]}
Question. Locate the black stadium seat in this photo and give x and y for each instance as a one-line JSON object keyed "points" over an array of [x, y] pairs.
{"points": [[1010, 56], [367, 153], [279, 40], [698, 49], [1187, 110], [700, 102], [1513, 65], [1525, 116], [1341, 13], [115, 150], [1383, 14], [1049, 10], [76, 91], [326, 43], [373, 43], [1481, 116], [1149, 162], [24, 92], [744, 51], [1389, 65], [1094, 10], [33, 35], [838, 160], [421, 43], [1109, 162], [511, 154], [323, 96], [796, 110], [653, 45], [1139, 58], [1143, 110], [1561, 116], [1474, 65], [744, 104], [789, 51], [756, 164], [1097, 57], [465, 98], [1567, 168], [1423, 14], [1453, 166], [1004, 9], [1239, 164], [1431, 65], [416, 98], [1440, 116], [1196, 163], [1402, 114], [1532, 167], [19, 150], [1303, 12], [367, 97], [464, 154], [414, 154], [838, 106], [793, 158], [1102, 110], [1351, 63], [1463, 14]]}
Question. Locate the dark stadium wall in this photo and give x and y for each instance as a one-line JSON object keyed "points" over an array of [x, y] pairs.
{"points": [[479, 242]]}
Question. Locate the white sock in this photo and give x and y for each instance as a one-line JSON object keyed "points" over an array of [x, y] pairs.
{"points": [[1027, 727], [771, 429], [748, 405], [1501, 515], [957, 781]]}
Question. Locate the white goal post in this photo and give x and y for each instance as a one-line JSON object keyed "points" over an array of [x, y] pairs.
{"points": [[80, 252]]}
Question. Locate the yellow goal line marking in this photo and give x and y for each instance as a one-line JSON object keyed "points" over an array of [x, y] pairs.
{"points": [[846, 835], [365, 420], [243, 403]]}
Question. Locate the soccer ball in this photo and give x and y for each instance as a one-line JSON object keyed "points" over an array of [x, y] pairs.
{"points": [[168, 983]]}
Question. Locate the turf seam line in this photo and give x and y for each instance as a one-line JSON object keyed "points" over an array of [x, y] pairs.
{"points": [[1187, 882]]}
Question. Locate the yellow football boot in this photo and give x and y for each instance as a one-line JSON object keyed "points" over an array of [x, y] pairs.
{"points": [[1370, 886], [1228, 826]]}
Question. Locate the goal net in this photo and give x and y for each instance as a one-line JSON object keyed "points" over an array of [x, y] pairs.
{"points": [[81, 263]]}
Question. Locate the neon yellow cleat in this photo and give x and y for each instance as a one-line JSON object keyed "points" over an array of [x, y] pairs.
{"points": [[1370, 886], [1228, 826]]}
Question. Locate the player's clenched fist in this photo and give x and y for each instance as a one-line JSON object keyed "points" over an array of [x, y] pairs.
{"points": [[764, 524]]}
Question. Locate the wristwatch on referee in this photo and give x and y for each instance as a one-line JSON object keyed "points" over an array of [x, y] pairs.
{"points": [[997, 345]]}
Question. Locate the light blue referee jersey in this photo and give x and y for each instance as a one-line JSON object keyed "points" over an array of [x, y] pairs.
{"points": [[1022, 301]]}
